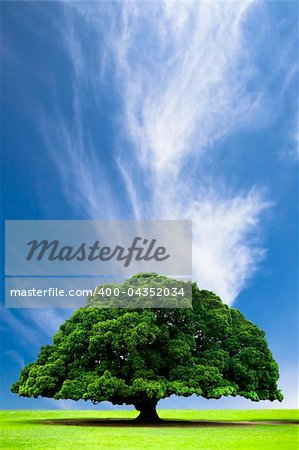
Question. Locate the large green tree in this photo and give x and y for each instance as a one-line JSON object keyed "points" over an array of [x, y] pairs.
{"points": [[139, 356]]}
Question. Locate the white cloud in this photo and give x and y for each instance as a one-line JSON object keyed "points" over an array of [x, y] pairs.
{"points": [[182, 70], [225, 254]]}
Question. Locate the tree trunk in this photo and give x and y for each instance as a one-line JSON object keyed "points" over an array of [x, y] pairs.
{"points": [[148, 413]]}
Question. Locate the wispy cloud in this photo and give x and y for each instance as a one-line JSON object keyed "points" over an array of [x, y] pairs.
{"points": [[83, 179], [183, 69], [16, 357], [26, 335], [184, 73], [32, 326]]}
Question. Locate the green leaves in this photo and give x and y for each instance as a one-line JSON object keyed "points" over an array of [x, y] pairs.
{"points": [[142, 388], [137, 355]]}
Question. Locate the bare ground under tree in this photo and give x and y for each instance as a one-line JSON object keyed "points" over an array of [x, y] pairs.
{"points": [[163, 423]]}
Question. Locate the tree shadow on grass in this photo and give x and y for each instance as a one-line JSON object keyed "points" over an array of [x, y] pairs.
{"points": [[93, 422]]}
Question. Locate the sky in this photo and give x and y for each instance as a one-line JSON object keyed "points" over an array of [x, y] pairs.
{"points": [[158, 110]]}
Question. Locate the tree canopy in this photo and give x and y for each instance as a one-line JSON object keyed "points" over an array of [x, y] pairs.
{"points": [[139, 356]]}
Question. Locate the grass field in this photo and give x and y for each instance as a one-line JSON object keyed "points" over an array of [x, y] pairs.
{"points": [[38, 430]]}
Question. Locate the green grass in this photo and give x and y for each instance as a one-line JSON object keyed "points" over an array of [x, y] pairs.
{"points": [[25, 430]]}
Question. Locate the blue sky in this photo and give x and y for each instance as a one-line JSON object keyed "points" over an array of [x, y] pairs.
{"points": [[159, 110]]}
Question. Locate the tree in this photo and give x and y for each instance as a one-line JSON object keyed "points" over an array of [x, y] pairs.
{"points": [[139, 356]]}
